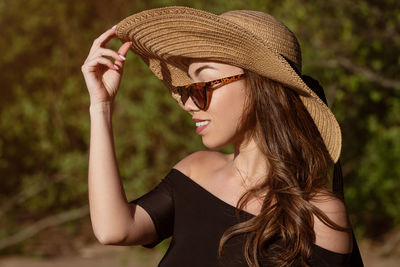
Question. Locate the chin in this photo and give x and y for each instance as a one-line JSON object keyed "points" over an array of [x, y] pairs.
{"points": [[214, 144]]}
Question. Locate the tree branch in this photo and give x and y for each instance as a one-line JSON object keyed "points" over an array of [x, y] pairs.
{"points": [[391, 244], [26, 194], [357, 69], [42, 224], [371, 75]]}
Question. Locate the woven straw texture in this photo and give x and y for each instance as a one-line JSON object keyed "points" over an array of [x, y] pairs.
{"points": [[168, 38]]}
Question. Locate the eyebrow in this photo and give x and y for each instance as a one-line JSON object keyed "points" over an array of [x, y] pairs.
{"points": [[196, 73]]}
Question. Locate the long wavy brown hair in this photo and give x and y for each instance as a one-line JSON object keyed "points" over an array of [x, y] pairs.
{"points": [[298, 162]]}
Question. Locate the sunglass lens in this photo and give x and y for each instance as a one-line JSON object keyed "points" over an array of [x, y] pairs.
{"points": [[183, 92], [198, 96]]}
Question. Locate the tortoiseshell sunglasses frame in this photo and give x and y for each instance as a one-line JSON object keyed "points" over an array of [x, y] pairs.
{"points": [[205, 89]]}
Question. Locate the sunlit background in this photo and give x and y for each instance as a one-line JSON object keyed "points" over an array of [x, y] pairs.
{"points": [[351, 47]]}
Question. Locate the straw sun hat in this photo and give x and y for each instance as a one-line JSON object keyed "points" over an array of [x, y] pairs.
{"points": [[166, 38]]}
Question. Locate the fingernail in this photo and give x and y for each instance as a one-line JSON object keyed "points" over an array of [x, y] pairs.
{"points": [[122, 57], [115, 66], [113, 27]]}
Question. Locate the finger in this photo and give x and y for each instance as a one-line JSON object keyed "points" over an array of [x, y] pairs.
{"points": [[103, 39], [92, 65], [107, 52], [123, 50], [119, 64]]}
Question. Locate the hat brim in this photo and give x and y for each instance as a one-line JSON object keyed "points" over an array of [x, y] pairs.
{"points": [[168, 38]]}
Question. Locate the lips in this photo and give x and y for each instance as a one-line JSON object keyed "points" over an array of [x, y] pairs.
{"points": [[198, 120], [201, 125]]}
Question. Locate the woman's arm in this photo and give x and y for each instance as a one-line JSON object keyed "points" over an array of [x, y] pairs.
{"points": [[109, 210], [114, 221], [326, 237]]}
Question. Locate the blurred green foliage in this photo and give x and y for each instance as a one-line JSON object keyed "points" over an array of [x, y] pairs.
{"points": [[352, 47]]}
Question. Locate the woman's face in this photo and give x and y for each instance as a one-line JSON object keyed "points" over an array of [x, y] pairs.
{"points": [[226, 105]]}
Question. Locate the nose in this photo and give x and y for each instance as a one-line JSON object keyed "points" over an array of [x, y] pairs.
{"points": [[190, 106]]}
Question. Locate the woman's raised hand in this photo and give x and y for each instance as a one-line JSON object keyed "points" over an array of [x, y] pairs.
{"points": [[102, 76]]}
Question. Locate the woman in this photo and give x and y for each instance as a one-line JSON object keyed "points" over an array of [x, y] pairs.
{"points": [[238, 76]]}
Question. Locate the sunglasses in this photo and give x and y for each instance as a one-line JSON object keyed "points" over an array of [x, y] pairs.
{"points": [[201, 92]]}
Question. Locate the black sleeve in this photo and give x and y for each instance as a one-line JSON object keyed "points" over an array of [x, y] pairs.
{"points": [[321, 257], [159, 205]]}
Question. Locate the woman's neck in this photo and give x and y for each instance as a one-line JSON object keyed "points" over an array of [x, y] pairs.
{"points": [[249, 162]]}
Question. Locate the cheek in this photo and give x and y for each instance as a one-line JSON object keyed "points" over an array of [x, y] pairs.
{"points": [[226, 109], [231, 103]]}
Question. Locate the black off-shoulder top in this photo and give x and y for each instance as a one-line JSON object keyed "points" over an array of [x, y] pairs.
{"points": [[196, 220]]}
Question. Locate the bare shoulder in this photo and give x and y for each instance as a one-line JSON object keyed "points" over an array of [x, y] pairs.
{"points": [[325, 236], [195, 162]]}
